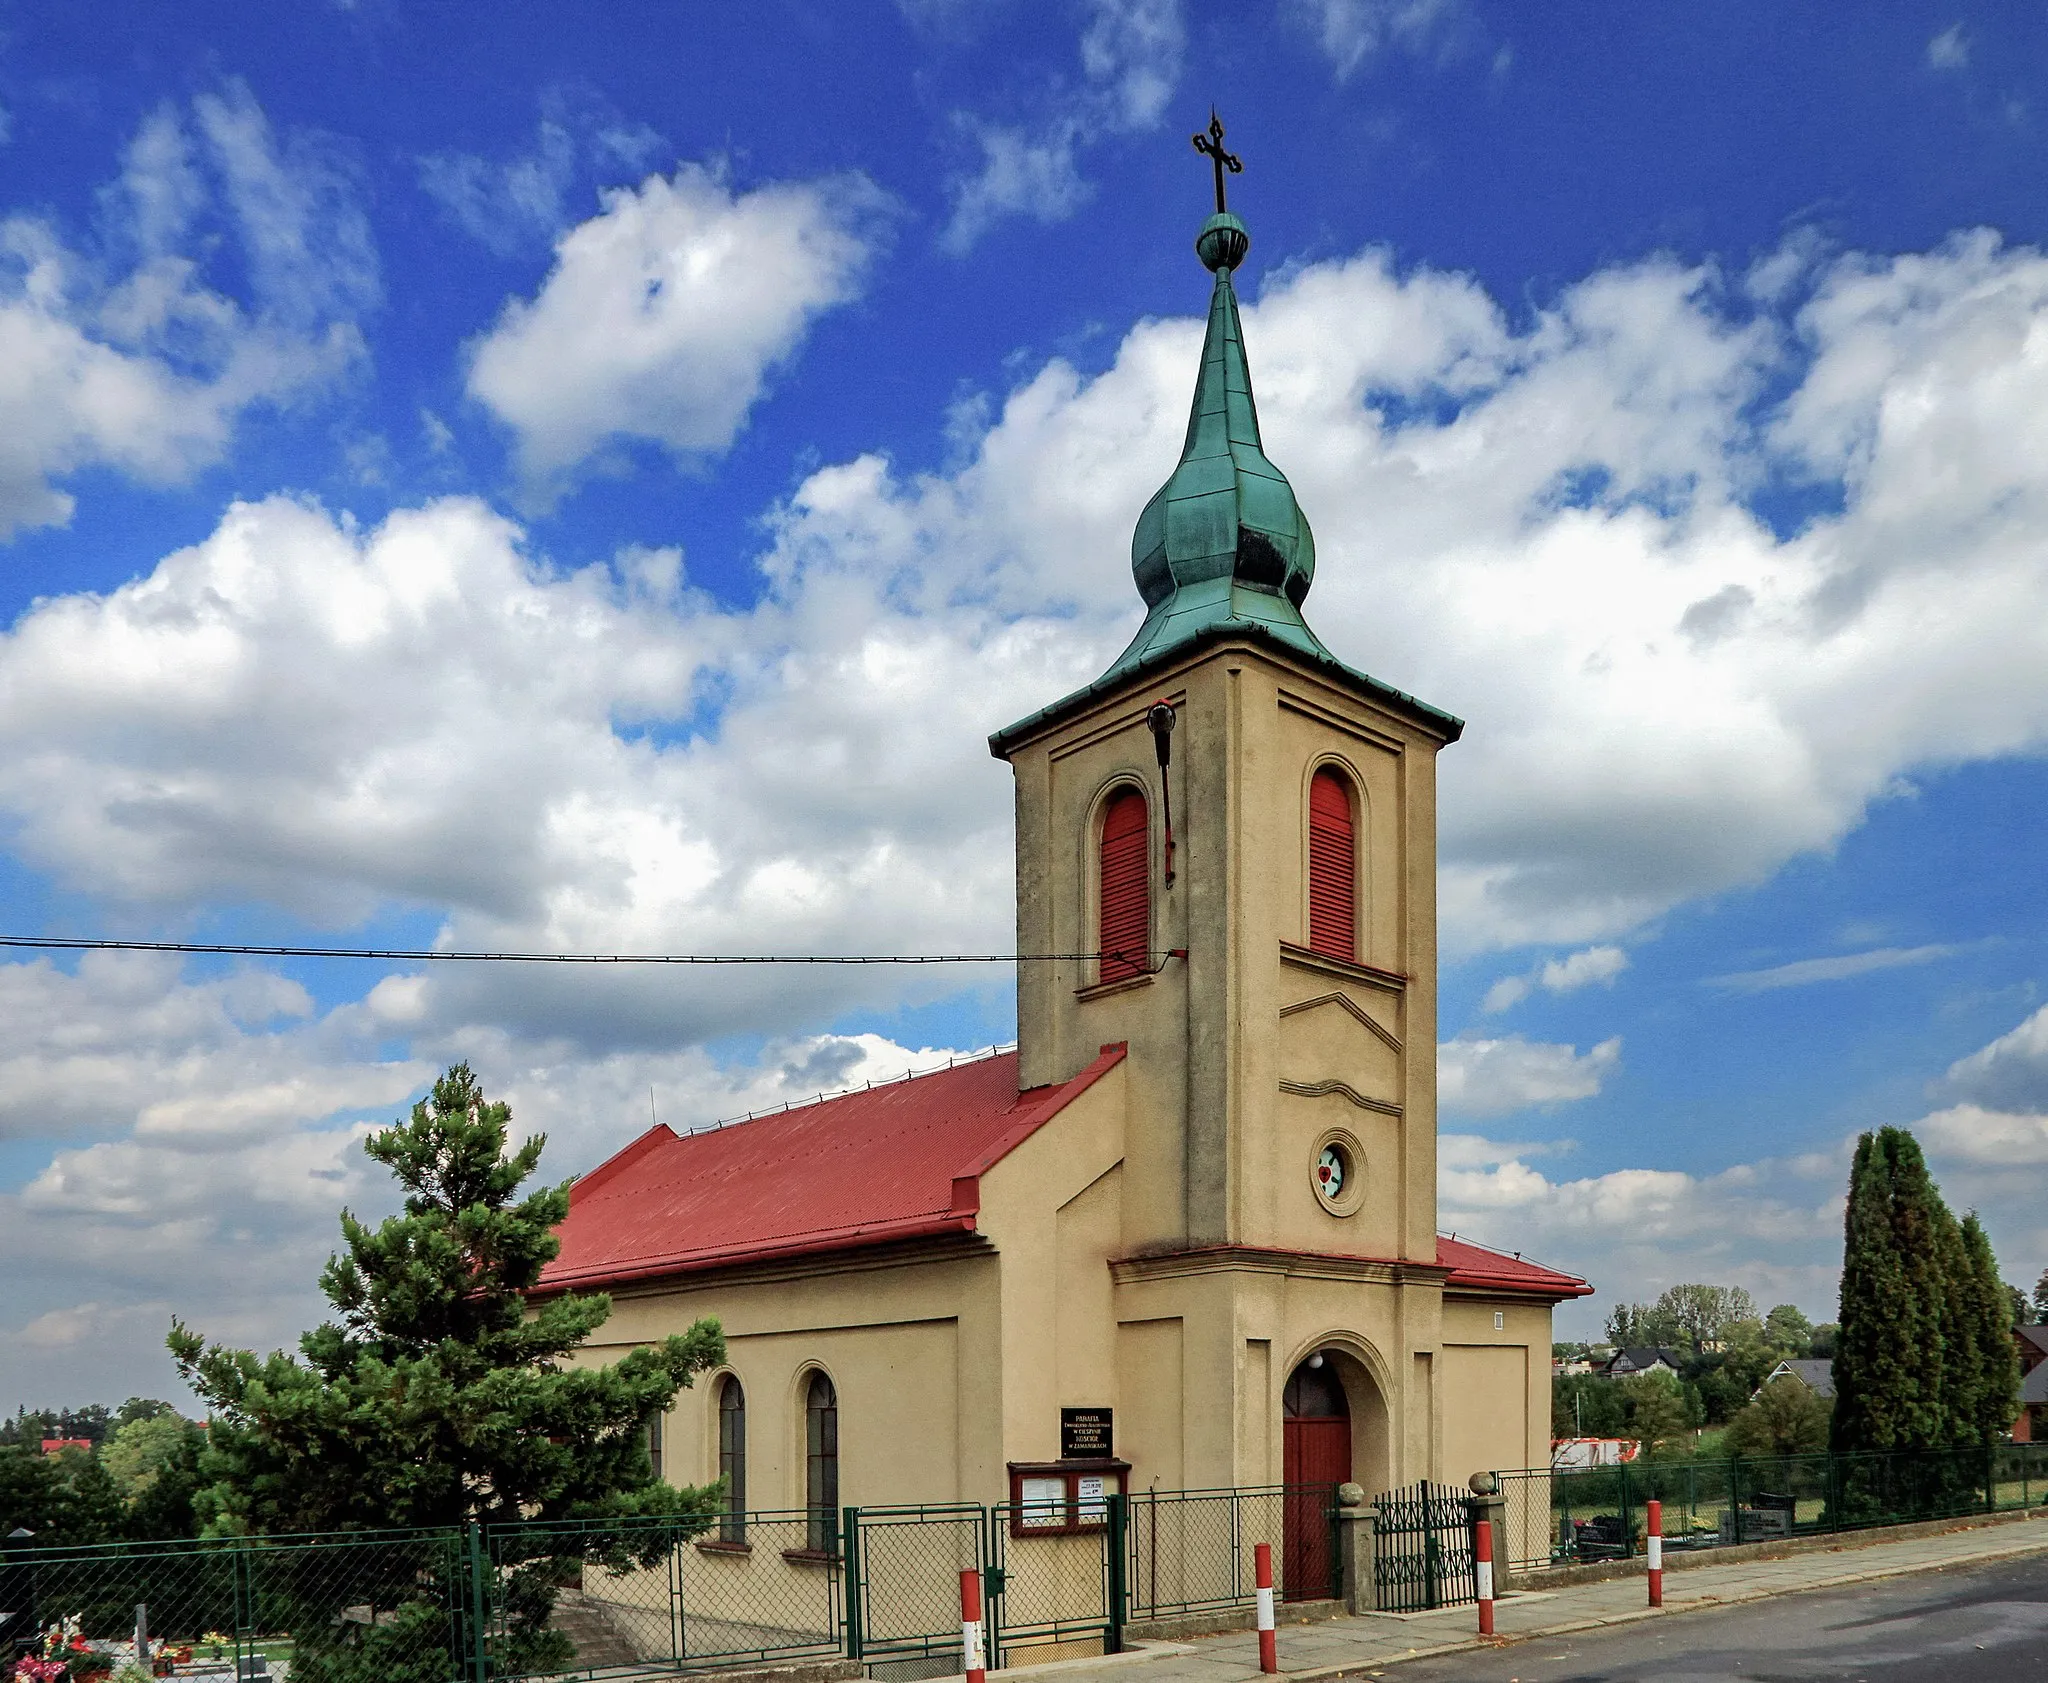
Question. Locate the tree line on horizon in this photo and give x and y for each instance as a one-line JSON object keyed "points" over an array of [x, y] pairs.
{"points": [[1724, 1349], [134, 1481]]}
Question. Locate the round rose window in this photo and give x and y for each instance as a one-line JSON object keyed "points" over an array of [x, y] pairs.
{"points": [[1333, 1172]]}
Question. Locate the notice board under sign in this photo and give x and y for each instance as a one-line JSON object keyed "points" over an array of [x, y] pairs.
{"points": [[1085, 1434]]}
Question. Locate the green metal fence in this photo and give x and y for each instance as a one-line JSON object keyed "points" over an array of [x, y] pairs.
{"points": [[630, 1598], [373, 1607], [1058, 1595], [1191, 1551], [645, 1598], [903, 1569], [1566, 1515]]}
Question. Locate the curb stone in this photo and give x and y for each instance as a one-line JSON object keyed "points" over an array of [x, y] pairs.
{"points": [[1735, 1596]]}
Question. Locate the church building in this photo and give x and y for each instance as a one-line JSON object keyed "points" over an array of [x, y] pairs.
{"points": [[1184, 1235]]}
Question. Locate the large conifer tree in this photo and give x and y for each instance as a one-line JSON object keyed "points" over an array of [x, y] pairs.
{"points": [[439, 1394]]}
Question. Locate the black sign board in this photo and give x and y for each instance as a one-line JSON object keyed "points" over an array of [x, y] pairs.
{"points": [[1085, 1434]]}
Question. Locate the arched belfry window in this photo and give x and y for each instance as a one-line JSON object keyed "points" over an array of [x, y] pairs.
{"points": [[821, 1464], [732, 1459], [1126, 887], [1332, 866]]}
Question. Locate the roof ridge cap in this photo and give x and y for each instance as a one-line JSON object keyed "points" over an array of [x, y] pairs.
{"points": [[958, 1061]]}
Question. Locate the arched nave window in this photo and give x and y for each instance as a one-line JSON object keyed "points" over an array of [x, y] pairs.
{"points": [[732, 1458], [821, 1464]]}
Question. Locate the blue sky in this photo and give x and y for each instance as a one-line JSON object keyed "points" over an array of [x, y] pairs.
{"points": [[593, 482]]}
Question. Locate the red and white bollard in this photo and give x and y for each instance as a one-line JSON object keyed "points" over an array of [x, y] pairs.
{"points": [[1269, 1652], [1482, 1568], [1656, 1549], [973, 1655]]}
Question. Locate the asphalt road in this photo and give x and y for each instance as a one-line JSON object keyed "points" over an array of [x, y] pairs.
{"points": [[1987, 1624]]}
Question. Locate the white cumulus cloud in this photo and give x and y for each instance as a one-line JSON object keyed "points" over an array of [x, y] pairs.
{"points": [[1131, 59], [1478, 1077], [131, 356], [664, 314], [1558, 975], [2011, 1072]]}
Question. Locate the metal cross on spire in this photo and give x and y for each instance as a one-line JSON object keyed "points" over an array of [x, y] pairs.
{"points": [[1210, 145]]}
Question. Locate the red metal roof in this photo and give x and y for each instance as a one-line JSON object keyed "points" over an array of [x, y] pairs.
{"points": [[902, 1160], [897, 1161], [1477, 1265]]}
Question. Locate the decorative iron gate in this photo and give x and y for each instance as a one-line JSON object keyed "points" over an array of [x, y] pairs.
{"points": [[1422, 1549]]}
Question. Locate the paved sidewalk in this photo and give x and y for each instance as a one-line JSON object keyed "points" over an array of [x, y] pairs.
{"points": [[1370, 1642]]}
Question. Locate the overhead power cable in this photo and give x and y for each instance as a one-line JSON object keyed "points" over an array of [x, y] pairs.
{"points": [[423, 955]]}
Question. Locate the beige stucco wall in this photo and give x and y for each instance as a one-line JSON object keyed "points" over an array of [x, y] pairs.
{"points": [[1497, 1384], [910, 1349]]}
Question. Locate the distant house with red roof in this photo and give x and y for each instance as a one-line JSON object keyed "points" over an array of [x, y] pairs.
{"points": [[1184, 1235]]}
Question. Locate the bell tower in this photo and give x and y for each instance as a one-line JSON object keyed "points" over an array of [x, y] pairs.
{"points": [[1270, 957]]}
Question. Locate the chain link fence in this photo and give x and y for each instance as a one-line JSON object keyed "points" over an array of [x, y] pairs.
{"points": [[640, 1599], [1191, 1551], [1568, 1515], [1055, 1597], [903, 1569], [375, 1607]]}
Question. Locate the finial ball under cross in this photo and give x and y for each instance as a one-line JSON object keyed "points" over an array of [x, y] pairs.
{"points": [[1210, 145]]}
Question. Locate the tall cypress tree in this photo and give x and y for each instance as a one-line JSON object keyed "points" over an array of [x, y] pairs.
{"points": [[1962, 1363], [1888, 1367], [1997, 1402]]}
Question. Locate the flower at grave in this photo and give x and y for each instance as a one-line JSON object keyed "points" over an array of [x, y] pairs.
{"points": [[216, 1640]]}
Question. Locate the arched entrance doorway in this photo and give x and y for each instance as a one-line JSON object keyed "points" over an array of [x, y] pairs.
{"points": [[1315, 1458]]}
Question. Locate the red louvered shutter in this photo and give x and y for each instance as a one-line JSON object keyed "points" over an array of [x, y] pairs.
{"points": [[1332, 868], [1126, 888]]}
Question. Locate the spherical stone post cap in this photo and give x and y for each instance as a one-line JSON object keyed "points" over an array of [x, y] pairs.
{"points": [[1222, 242], [1350, 1495], [1485, 1484]]}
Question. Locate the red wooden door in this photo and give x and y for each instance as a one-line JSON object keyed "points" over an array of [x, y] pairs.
{"points": [[1316, 1458]]}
